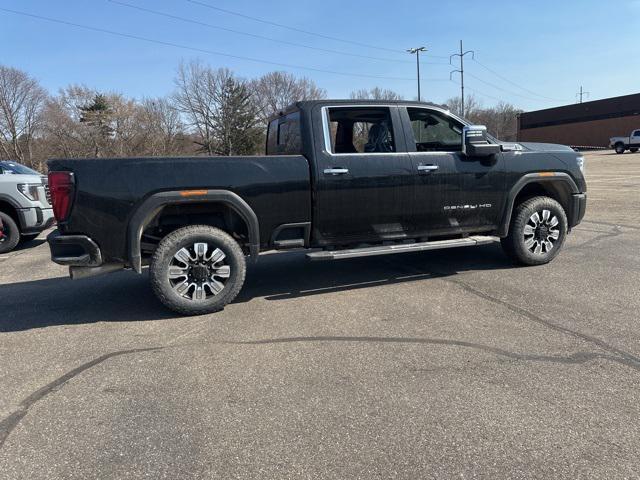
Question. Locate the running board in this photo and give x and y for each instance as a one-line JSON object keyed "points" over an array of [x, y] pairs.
{"points": [[400, 248]]}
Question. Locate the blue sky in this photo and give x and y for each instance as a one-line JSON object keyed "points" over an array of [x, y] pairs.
{"points": [[546, 49]]}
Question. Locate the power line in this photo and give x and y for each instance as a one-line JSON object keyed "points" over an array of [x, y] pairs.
{"points": [[480, 92], [253, 35], [504, 89], [296, 29], [202, 50], [516, 84]]}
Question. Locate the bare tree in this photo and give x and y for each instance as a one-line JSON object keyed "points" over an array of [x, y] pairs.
{"points": [[21, 102], [501, 120], [219, 107], [195, 98], [65, 134], [277, 90], [471, 105], [375, 93], [162, 127]]}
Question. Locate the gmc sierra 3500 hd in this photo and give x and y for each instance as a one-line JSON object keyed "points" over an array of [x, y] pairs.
{"points": [[341, 178]]}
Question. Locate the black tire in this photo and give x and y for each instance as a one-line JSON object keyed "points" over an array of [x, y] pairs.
{"points": [[10, 233], [633, 150], [518, 244], [619, 148], [198, 271], [24, 238]]}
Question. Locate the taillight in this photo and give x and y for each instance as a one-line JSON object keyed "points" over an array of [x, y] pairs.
{"points": [[61, 186]]}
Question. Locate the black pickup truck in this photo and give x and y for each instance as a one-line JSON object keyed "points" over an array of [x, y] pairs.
{"points": [[341, 178]]}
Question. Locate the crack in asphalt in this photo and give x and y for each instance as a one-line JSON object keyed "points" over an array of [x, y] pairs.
{"points": [[590, 243], [609, 224], [9, 423], [575, 358], [621, 356]]}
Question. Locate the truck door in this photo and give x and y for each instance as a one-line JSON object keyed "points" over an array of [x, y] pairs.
{"points": [[634, 141], [454, 193], [364, 177]]}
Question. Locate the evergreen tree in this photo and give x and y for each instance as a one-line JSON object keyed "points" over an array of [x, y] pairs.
{"points": [[98, 115], [236, 130]]}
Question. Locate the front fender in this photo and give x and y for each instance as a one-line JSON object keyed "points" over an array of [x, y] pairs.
{"points": [[540, 178]]}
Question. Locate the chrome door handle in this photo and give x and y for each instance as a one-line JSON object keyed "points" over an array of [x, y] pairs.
{"points": [[427, 168], [336, 171]]}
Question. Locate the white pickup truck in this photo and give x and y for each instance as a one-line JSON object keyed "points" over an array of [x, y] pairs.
{"points": [[620, 144]]}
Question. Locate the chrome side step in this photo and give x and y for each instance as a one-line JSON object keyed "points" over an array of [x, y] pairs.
{"points": [[400, 248]]}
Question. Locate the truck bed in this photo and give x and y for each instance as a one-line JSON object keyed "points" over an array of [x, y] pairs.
{"points": [[108, 190]]}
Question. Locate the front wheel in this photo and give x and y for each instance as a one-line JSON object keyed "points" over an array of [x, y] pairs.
{"points": [[9, 233], [197, 269], [619, 148], [537, 232]]}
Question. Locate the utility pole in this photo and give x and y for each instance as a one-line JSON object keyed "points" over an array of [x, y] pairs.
{"points": [[461, 71], [417, 51], [581, 93]]}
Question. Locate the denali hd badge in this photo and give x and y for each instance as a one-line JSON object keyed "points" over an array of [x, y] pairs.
{"points": [[467, 207]]}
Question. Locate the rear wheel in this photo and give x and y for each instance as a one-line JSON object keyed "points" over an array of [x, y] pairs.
{"points": [[197, 269], [633, 150], [619, 148], [537, 232], [9, 233]]}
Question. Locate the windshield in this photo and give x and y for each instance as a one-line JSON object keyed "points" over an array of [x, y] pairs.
{"points": [[16, 169]]}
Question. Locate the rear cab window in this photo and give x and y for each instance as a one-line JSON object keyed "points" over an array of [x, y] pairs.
{"points": [[284, 135]]}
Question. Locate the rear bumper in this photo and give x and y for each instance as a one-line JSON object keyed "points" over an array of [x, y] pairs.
{"points": [[579, 208], [74, 250]]}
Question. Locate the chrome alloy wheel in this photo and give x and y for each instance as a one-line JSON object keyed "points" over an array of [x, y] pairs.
{"points": [[541, 232], [196, 274]]}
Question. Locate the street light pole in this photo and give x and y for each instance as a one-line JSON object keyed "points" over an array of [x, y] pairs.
{"points": [[417, 51]]}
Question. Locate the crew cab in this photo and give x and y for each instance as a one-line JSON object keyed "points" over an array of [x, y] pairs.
{"points": [[340, 178], [620, 144]]}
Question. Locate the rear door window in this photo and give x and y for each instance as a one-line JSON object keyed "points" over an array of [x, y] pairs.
{"points": [[360, 130]]}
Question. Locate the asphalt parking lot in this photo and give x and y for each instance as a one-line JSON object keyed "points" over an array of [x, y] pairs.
{"points": [[430, 365]]}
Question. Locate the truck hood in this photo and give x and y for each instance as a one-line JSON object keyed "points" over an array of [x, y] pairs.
{"points": [[545, 147], [16, 178]]}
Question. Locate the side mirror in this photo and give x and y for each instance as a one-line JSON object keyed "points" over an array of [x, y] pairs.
{"points": [[475, 142]]}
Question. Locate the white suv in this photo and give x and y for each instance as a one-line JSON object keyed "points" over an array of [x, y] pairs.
{"points": [[25, 208]]}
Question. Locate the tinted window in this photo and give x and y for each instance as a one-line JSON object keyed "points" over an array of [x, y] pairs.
{"points": [[16, 169], [636, 133], [361, 130], [272, 132], [435, 132], [289, 135], [284, 136]]}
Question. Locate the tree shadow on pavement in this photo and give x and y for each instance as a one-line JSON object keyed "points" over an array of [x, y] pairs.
{"points": [[127, 297]]}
